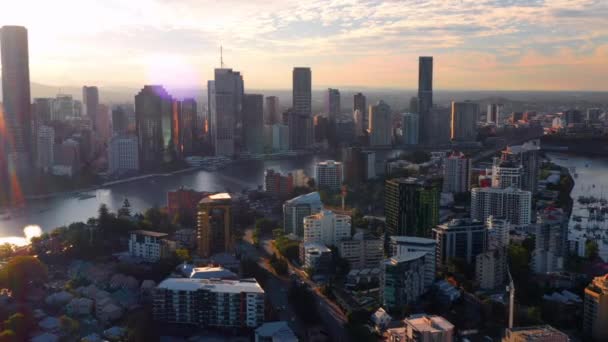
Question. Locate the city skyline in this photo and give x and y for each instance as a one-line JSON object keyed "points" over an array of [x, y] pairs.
{"points": [[492, 45]]}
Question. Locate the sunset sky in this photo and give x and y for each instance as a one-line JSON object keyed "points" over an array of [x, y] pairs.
{"points": [[480, 44]]}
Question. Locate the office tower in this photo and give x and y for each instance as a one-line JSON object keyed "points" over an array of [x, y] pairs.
{"points": [[279, 135], [43, 108], [302, 91], [457, 173], [359, 165], [253, 123], [90, 99], [296, 209], [272, 115], [540, 333], [402, 281], [528, 156], [326, 227], [506, 173], [596, 309], [77, 110], [423, 328], [493, 113], [461, 239], [439, 121], [277, 185], [225, 106], [358, 119], [411, 206], [551, 239], [512, 204], [406, 245], [360, 104], [332, 103], [120, 121], [425, 97], [464, 121], [17, 140], [410, 128], [232, 304], [413, 108], [123, 155], [63, 107], [214, 225], [362, 251], [593, 115], [45, 148], [329, 174], [321, 127], [380, 125], [300, 131], [102, 126], [153, 116], [188, 127]]}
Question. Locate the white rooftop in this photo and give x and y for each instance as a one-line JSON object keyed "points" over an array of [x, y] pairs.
{"points": [[310, 198], [429, 323], [405, 257], [222, 286]]}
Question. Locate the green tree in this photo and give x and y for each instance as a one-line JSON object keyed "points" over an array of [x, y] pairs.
{"points": [[125, 210], [22, 273]]}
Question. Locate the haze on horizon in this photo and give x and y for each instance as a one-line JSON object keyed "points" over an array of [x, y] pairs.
{"points": [[481, 45]]}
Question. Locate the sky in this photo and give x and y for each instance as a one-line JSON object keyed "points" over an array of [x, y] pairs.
{"points": [[476, 45]]}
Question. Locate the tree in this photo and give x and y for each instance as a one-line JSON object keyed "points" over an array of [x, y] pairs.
{"points": [[20, 324], [21, 273], [125, 210], [68, 326], [6, 251], [183, 254]]}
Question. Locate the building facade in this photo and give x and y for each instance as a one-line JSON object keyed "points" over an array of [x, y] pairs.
{"points": [[253, 123], [461, 239], [410, 126], [327, 228], [150, 246], [596, 309], [425, 98], [225, 109], [423, 328], [362, 251], [512, 204], [329, 174], [406, 245], [214, 225], [402, 281], [123, 155], [457, 173], [278, 185], [464, 121], [380, 125], [411, 206], [296, 209], [153, 113]]}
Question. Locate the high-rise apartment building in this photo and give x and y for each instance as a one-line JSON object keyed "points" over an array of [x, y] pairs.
{"points": [[278, 185], [528, 156], [405, 245], [45, 148], [506, 174], [493, 113], [272, 113], [326, 227], [120, 120], [214, 225], [464, 121], [253, 123], [332, 104], [362, 251], [90, 100], [296, 209], [329, 174], [425, 97], [225, 106], [380, 125], [457, 173], [102, 126], [16, 159], [154, 129], [596, 309], [123, 155], [411, 206], [460, 239], [551, 239], [410, 129], [491, 266], [359, 165], [402, 281], [512, 204]]}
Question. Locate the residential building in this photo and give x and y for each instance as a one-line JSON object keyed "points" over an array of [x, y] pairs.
{"points": [[457, 173], [123, 155], [406, 245], [326, 227], [425, 98], [402, 281], [316, 257], [332, 103], [272, 113], [464, 121], [45, 145], [275, 332], [551, 240], [214, 222], [491, 269], [512, 204], [462, 239], [296, 209], [528, 156], [596, 309], [362, 251], [153, 115], [209, 303], [212, 272], [423, 328], [225, 110], [329, 174], [411, 206], [253, 123], [278, 185], [150, 246], [410, 129], [184, 202], [380, 125], [506, 174], [540, 333]]}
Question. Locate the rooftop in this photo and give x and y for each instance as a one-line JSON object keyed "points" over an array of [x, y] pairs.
{"points": [[426, 323], [311, 246], [280, 330], [536, 333], [219, 197], [213, 285], [404, 258], [310, 198], [149, 233], [211, 272], [413, 240]]}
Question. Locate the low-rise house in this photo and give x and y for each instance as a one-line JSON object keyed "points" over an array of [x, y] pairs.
{"points": [[150, 246]]}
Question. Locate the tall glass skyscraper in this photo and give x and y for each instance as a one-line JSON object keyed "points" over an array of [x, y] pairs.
{"points": [[225, 106], [300, 121], [153, 112], [425, 96]]}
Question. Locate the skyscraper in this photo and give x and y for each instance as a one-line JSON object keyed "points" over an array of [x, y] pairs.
{"points": [[425, 96], [272, 115], [380, 125], [90, 99], [17, 159], [411, 207], [120, 121], [188, 126], [300, 125], [464, 121], [253, 123], [225, 110], [333, 103], [214, 224], [493, 113], [153, 113], [457, 173], [410, 127]]}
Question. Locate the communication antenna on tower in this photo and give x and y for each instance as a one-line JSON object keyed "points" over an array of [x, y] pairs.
{"points": [[221, 57]]}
